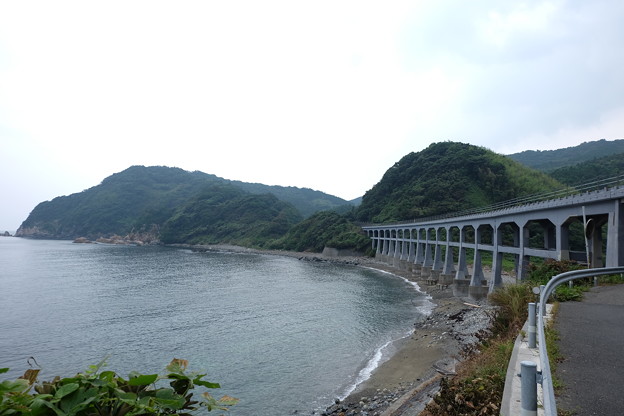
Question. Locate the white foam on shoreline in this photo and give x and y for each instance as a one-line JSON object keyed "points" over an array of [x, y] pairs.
{"points": [[366, 372], [426, 309], [428, 306]]}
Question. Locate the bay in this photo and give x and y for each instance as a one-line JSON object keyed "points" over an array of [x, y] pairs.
{"points": [[280, 334]]}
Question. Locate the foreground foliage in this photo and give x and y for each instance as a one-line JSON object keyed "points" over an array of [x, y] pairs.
{"points": [[104, 393]]}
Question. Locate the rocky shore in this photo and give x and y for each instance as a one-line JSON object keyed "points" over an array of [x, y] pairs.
{"points": [[403, 385], [406, 382]]}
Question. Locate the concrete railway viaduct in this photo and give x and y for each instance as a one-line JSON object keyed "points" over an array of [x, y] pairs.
{"points": [[439, 250]]}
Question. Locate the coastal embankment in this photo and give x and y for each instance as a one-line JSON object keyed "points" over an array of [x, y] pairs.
{"points": [[405, 382]]}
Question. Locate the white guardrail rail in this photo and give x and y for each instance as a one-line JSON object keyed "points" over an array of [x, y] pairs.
{"points": [[550, 407]]}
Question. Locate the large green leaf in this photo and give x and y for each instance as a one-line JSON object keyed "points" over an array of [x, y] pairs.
{"points": [[207, 384], [143, 380], [66, 389]]}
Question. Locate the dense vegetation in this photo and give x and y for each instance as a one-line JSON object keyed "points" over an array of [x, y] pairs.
{"points": [[550, 160], [104, 393], [448, 177], [582, 173], [131, 199], [226, 214], [141, 197], [324, 229]]}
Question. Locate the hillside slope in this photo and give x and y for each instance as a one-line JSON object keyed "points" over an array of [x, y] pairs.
{"points": [[582, 173], [140, 198], [448, 177], [550, 160]]}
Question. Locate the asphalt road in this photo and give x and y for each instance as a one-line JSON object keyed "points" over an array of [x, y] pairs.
{"points": [[592, 344]]}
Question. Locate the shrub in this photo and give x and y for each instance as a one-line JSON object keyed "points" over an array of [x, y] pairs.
{"points": [[95, 393], [540, 274]]}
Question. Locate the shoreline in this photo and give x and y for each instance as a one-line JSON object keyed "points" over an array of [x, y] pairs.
{"points": [[406, 381], [403, 383]]}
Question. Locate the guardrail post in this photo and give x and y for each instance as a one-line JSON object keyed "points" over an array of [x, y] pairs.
{"points": [[532, 326], [528, 386]]}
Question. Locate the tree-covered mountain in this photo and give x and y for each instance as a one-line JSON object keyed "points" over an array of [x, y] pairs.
{"points": [[448, 177], [550, 160], [307, 201], [582, 173], [324, 229], [142, 197], [227, 214]]}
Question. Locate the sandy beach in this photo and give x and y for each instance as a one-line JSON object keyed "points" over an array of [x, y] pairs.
{"points": [[404, 383]]}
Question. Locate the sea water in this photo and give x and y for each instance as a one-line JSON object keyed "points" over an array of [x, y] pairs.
{"points": [[280, 334]]}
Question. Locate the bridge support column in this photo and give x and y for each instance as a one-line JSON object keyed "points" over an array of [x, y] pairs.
{"points": [[396, 254], [448, 271], [404, 253], [563, 242], [437, 259], [497, 260], [411, 253], [522, 261], [384, 246], [477, 288], [615, 236], [596, 244], [462, 278], [425, 271], [419, 258]]}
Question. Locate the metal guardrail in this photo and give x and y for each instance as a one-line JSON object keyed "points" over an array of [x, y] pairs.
{"points": [[550, 407]]}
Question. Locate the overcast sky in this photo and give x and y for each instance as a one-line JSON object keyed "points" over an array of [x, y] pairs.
{"points": [[319, 94]]}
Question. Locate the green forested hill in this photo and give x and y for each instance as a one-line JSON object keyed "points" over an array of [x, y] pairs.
{"points": [[323, 229], [306, 200], [140, 197], [131, 199], [227, 214], [550, 160], [448, 177], [600, 168]]}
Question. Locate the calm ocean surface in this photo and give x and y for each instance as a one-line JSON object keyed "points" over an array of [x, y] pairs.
{"points": [[278, 333]]}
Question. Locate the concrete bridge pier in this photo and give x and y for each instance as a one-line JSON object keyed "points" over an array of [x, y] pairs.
{"points": [[437, 268], [396, 257], [419, 259], [404, 255], [448, 270], [477, 288], [411, 254], [426, 272]]}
